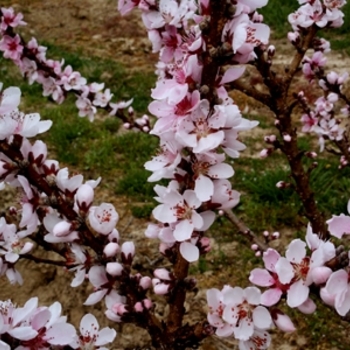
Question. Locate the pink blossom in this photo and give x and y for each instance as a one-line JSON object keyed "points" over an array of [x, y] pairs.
{"points": [[11, 47], [339, 225], [9, 99], [180, 209], [338, 287], [10, 19], [103, 218], [91, 335]]}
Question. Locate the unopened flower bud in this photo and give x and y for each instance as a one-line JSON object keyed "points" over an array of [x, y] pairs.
{"points": [[205, 244], [160, 288], [138, 307], [128, 252], [162, 274], [147, 303], [221, 212], [111, 249], [264, 153], [114, 268], [287, 138], [114, 236], [266, 233], [84, 196], [270, 138], [145, 282], [128, 248], [275, 235], [126, 125], [271, 50], [258, 254], [145, 129], [281, 184], [311, 155], [282, 321], [293, 37], [254, 247]]}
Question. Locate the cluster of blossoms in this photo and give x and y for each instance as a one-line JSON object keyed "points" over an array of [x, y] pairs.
{"points": [[324, 120], [198, 125], [56, 78], [195, 132], [321, 13], [248, 313], [32, 327], [61, 208]]}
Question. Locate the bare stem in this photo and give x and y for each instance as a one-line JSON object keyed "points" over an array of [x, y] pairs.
{"points": [[245, 230]]}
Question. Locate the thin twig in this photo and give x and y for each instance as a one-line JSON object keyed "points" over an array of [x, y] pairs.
{"points": [[242, 228]]}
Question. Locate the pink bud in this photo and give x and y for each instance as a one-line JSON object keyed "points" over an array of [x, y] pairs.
{"points": [[280, 184], [266, 233], [126, 125], [147, 303], [128, 248], [111, 249], [287, 138], [254, 247], [145, 129], [162, 274], [271, 50], [321, 274], [138, 307], [270, 138], [264, 153], [258, 254], [293, 37], [221, 213], [145, 282], [161, 288], [311, 155], [283, 322], [85, 195], [205, 244], [276, 235], [61, 229], [114, 268], [114, 236]]}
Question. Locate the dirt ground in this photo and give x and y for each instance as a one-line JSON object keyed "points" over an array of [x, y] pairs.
{"points": [[96, 28]]}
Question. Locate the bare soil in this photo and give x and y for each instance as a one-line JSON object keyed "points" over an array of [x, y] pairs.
{"points": [[95, 28]]}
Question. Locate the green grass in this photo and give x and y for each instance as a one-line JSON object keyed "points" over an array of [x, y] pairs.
{"points": [[97, 148]]}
